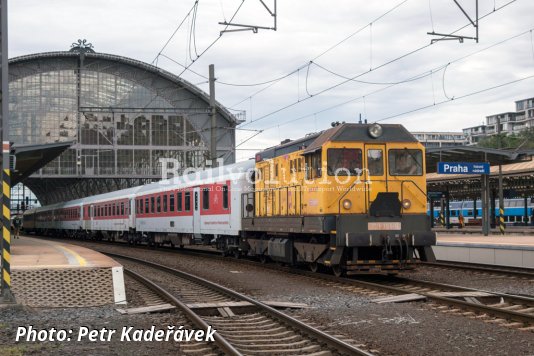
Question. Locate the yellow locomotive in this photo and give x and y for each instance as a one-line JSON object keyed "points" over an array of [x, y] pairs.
{"points": [[351, 198]]}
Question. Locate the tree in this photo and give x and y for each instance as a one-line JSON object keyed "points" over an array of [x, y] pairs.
{"points": [[524, 139]]}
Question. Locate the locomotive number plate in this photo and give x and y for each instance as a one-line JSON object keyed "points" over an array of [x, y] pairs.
{"points": [[390, 225]]}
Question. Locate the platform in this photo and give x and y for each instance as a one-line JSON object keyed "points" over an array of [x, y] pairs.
{"points": [[54, 274], [500, 250]]}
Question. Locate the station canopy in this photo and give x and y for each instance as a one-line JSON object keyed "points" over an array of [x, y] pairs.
{"points": [[517, 170], [30, 158]]}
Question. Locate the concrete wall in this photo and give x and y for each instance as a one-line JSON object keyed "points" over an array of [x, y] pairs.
{"points": [[513, 256]]}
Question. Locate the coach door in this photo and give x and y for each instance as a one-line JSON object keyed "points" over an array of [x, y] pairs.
{"points": [[196, 212], [88, 222], [374, 173]]}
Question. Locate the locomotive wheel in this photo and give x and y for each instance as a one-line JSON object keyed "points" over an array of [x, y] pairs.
{"points": [[314, 267], [337, 270]]}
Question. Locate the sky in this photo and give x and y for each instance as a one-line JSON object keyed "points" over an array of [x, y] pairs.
{"points": [[337, 59]]}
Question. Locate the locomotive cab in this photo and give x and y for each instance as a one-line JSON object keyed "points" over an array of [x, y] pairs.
{"points": [[352, 198]]}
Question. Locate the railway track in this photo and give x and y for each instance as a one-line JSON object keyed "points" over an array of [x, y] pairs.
{"points": [[522, 273], [258, 330], [500, 308], [503, 309]]}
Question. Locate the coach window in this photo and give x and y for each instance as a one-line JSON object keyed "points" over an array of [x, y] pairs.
{"points": [[225, 196], [171, 202], [158, 204], [114, 210], [165, 203], [187, 201], [152, 205], [205, 198], [122, 208], [147, 206], [179, 202]]}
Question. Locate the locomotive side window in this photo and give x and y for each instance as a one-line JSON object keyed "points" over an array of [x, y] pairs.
{"points": [[187, 201], [313, 165], [375, 162], [179, 202], [225, 196], [165, 203], [122, 208], [344, 161], [405, 162], [158, 204], [147, 209], [152, 205], [205, 199]]}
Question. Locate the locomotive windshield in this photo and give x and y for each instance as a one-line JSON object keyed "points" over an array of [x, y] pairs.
{"points": [[405, 162], [344, 161]]}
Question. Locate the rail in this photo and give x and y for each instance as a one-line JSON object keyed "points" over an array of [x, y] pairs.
{"points": [[312, 332]]}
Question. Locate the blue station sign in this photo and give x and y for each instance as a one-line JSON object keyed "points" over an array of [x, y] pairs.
{"points": [[463, 168]]}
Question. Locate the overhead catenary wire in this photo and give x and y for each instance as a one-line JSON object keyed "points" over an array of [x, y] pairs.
{"points": [[424, 74], [363, 73], [212, 43], [175, 31], [317, 56]]}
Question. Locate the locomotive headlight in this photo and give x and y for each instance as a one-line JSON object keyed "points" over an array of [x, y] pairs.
{"points": [[375, 130], [406, 204], [347, 204]]}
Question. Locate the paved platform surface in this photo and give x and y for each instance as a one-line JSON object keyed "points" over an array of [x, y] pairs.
{"points": [[477, 230], [499, 250], [55, 274], [28, 252], [508, 241]]}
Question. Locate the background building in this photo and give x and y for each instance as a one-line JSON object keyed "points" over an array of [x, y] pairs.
{"points": [[441, 139], [121, 116], [510, 122]]}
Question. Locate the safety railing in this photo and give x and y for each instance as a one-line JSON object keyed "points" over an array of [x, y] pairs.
{"points": [[279, 201]]}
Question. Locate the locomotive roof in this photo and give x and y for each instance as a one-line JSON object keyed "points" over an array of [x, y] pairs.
{"points": [[340, 133]]}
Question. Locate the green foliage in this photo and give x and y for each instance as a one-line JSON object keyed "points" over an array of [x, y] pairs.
{"points": [[524, 139]]}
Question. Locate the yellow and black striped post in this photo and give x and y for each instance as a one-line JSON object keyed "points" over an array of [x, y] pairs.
{"points": [[442, 218], [6, 231], [501, 221], [6, 182]]}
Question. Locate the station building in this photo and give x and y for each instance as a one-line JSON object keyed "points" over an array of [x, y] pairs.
{"points": [[118, 115]]}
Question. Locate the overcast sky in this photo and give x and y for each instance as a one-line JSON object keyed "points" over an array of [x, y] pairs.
{"points": [[306, 37]]}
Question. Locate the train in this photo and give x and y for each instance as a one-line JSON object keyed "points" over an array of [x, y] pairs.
{"points": [[350, 199], [514, 212]]}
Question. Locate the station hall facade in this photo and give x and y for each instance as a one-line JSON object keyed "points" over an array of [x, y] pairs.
{"points": [[120, 116]]}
